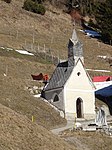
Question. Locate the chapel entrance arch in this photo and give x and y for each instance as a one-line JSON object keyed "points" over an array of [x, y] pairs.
{"points": [[79, 108]]}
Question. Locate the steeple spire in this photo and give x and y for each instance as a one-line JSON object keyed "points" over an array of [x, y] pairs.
{"points": [[75, 50], [74, 38]]}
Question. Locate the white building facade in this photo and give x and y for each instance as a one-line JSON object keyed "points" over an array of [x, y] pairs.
{"points": [[70, 88], [79, 94]]}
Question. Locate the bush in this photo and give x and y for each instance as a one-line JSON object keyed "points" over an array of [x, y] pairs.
{"points": [[33, 6], [28, 5], [40, 9], [38, 1], [7, 1]]}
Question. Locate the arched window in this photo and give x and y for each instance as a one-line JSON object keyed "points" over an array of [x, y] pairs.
{"points": [[56, 98]]}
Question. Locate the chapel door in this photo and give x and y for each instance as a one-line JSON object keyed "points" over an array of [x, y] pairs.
{"points": [[79, 108]]}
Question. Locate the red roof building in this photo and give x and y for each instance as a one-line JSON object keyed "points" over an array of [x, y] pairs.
{"points": [[102, 78]]}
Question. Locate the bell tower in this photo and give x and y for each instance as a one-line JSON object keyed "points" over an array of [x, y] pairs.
{"points": [[75, 50]]}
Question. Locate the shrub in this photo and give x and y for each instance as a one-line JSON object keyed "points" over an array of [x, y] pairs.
{"points": [[40, 9], [33, 6], [38, 1], [7, 1], [28, 5]]}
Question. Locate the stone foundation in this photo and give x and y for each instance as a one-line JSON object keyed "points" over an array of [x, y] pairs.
{"points": [[73, 116]]}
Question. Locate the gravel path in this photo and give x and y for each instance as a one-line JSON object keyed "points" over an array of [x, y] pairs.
{"points": [[70, 125]]}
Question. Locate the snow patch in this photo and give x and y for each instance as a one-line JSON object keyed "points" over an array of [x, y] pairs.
{"points": [[37, 96], [104, 57], [9, 49], [81, 30], [98, 70], [6, 48], [2, 47], [24, 52]]}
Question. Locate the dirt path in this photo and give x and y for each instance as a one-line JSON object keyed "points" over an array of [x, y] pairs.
{"points": [[70, 125], [72, 140], [80, 140]]}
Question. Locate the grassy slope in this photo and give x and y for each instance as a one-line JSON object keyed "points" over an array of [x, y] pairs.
{"points": [[18, 132], [14, 88], [22, 29], [88, 140], [17, 28]]}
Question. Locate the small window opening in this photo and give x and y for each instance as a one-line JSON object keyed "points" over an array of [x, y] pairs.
{"points": [[78, 73], [56, 98]]}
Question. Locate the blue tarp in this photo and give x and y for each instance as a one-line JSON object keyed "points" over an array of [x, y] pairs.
{"points": [[106, 92], [92, 33]]}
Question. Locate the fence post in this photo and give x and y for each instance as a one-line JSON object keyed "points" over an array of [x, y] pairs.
{"points": [[25, 43], [33, 39], [38, 47], [17, 35], [110, 42], [44, 47]]}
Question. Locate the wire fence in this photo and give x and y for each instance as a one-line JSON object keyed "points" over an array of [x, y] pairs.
{"points": [[29, 45], [29, 41]]}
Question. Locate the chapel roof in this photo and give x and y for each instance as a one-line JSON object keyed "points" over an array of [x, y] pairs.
{"points": [[59, 76]]}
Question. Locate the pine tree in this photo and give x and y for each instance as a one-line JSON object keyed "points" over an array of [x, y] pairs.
{"points": [[103, 17]]}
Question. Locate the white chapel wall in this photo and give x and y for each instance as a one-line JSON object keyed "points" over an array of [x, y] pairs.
{"points": [[79, 81], [79, 86]]}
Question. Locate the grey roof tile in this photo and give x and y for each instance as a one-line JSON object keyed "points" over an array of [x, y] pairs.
{"points": [[59, 76]]}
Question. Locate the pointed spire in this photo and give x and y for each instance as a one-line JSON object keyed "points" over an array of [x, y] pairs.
{"points": [[75, 50], [74, 38]]}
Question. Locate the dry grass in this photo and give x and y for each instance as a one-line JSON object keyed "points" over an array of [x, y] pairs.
{"points": [[19, 133], [88, 140], [18, 27], [13, 88], [22, 29], [93, 48]]}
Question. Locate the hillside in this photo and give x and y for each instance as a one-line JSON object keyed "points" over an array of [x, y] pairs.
{"points": [[15, 82], [21, 29], [88, 140], [18, 132]]}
